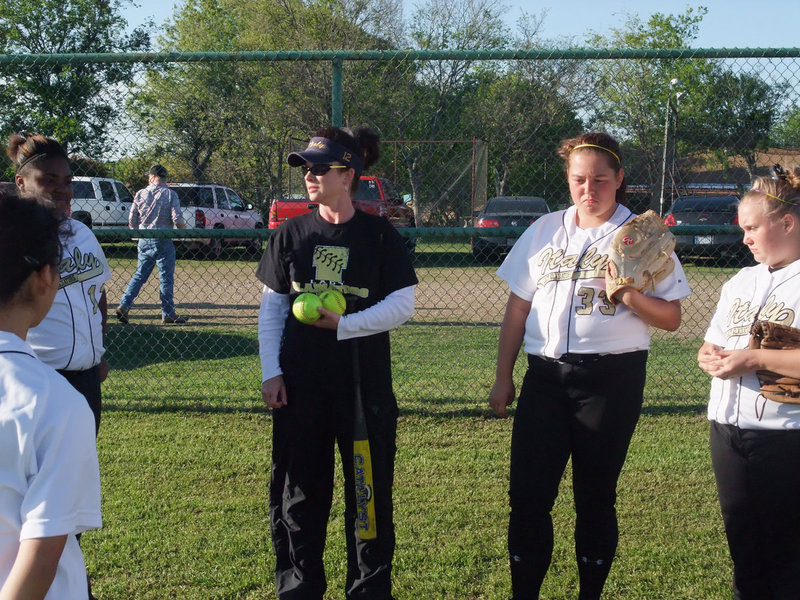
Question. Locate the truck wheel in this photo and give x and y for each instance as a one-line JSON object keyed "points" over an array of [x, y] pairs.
{"points": [[411, 242], [256, 245], [83, 217], [213, 249], [484, 253]]}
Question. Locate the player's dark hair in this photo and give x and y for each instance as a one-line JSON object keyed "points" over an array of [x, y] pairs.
{"points": [[600, 143], [362, 141], [25, 149], [29, 240], [779, 195]]}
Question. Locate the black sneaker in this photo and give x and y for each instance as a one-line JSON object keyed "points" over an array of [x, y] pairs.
{"points": [[122, 315], [174, 319]]}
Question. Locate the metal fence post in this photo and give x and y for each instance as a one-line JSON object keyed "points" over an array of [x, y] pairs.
{"points": [[336, 93]]}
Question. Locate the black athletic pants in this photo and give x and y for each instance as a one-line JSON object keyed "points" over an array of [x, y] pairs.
{"points": [[585, 408], [758, 482], [318, 416], [87, 383]]}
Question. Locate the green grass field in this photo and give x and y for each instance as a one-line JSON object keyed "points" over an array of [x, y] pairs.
{"points": [[185, 481]]}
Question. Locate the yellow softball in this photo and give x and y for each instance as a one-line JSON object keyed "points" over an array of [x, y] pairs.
{"points": [[333, 301], [305, 307]]}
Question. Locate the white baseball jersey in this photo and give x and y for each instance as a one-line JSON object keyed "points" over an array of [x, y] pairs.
{"points": [[753, 294], [49, 476], [71, 336], [561, 269]]}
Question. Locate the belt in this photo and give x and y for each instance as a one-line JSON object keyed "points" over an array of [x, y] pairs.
{"points": [[570, 358]]}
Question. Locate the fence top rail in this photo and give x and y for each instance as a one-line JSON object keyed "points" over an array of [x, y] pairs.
{"points": [[322, 55], [124, 234]]}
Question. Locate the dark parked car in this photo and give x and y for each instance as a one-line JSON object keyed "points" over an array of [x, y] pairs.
{"points": [[708, 210], [505, 211]]}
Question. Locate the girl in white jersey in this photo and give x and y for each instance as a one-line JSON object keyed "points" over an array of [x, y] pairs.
{"points": [[71, 337], [49, 478], [755, 442], [580, 344]]}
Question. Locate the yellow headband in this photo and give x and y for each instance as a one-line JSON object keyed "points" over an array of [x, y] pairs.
{"points": [[611, 152], [789, 202]]}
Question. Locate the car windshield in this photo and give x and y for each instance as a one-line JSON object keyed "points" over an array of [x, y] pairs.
{"points": [[368, 190], [706, 204], [201, 197], [516, 205]]}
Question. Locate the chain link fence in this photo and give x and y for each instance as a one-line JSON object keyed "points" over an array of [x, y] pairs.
{"points": [[458, 128]]}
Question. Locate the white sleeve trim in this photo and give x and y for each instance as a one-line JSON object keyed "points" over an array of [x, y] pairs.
{"points": [[392, 311], [271, 319]]}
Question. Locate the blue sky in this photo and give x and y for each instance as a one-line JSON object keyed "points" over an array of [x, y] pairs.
{"points": [[728, 24]]}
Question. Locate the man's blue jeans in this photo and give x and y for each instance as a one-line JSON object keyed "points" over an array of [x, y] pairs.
{"points": [[153, 252]]}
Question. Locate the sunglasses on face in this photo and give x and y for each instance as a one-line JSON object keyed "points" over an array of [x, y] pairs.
{"points": [[320, 169]]}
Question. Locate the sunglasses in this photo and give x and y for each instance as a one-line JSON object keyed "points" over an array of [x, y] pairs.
{"points": [[320, 169]]}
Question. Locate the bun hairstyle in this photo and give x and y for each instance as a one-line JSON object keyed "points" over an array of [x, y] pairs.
{"points": [[25, 149], [29, 240], [361, 141], [600, 143], [779, 195]]}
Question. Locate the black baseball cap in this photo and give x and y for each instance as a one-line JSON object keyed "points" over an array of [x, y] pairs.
{"points": [[158, 171], [323, 151]]}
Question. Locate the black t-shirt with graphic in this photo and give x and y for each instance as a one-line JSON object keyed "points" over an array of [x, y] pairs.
{"points": [[366, 260]]}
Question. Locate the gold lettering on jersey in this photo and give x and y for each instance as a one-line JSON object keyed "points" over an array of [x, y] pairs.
{"points": [[556, 266], [317, 287], [78, 267], [777, 312], [744, 313]]}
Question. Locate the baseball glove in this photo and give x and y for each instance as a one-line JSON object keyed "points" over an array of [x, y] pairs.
{"points": [[774, 386], [640, 255]]}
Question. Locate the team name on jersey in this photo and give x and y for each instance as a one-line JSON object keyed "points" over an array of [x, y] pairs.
{"points": [[78, 267], [320, 286], [555, 265], [744, 313]]}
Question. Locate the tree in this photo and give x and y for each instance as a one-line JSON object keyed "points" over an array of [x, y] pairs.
{"points": [[737, 116], [523, 119], [631, 92], [786, 131], [235, 122], [72, 102], [431, 107]]}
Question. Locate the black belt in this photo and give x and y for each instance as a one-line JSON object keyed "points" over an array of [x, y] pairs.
{"points": [[570, 358], [68, 372]]}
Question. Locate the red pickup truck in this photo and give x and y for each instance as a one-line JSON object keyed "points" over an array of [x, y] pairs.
{"points": [[375, 195]]}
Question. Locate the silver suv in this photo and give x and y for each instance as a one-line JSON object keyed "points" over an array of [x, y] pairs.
{"points": [[212, 206], [100, 202]]}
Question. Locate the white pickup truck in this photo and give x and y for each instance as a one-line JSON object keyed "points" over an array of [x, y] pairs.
{"points": [[213, 206], [100, 202]]}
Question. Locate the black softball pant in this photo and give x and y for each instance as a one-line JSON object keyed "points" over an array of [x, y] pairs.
{"points": [[87, 382], [758, 482], [586, 409], [305, 432]]}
